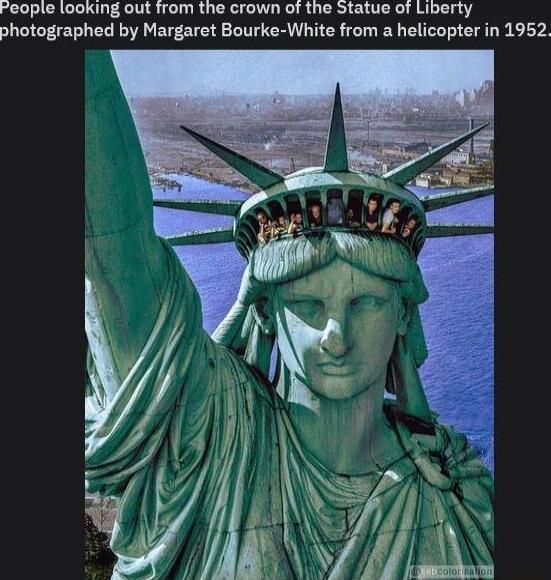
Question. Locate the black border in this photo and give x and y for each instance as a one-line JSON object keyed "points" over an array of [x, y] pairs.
{"points": [[42, 98]]}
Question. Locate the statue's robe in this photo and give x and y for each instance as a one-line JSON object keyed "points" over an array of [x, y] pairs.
{"points": [[214, 483]]}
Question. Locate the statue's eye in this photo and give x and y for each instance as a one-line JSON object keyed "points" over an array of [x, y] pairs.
{"points": [[307, 308], [367, 301]]}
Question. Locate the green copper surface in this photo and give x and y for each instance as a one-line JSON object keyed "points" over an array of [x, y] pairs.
{"points": [[125, 268], [335, 155], [433, 202], [446, 230], [222, 207], [252, 170], [314, 179], [222, 473], [213, 236]]}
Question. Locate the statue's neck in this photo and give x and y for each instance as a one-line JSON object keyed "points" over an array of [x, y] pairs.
{"points": [[349, 436]]}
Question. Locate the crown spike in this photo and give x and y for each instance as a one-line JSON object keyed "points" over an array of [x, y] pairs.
{"points": [[335, 153], [432, 202], [218, 207], [449, 230], [212, 236], [406, 172], [253, 171]]}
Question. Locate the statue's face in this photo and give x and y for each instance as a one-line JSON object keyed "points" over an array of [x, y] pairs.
{"points": [[336, 328]]}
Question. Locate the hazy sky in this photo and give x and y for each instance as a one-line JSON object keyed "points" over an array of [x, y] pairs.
{"points": [[200, 72]]}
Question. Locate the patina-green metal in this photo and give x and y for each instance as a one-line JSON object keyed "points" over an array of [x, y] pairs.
{"points": [[259, 175], [220, 207], [315, 183], [212, 236], [336, 158], [432, 202], [223, 473], [447, 230]]}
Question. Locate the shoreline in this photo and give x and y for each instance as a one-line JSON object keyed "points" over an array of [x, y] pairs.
{"points": [[250, 189], [242, 187]]}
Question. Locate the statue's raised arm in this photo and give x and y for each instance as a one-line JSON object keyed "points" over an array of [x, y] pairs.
{"points": [[126, 266], [143, 314]]}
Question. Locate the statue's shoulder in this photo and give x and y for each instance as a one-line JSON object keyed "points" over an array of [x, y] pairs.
{"points": [[234, 374]]}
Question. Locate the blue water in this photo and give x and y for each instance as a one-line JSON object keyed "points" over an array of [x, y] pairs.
{"points": [[458, 317]]}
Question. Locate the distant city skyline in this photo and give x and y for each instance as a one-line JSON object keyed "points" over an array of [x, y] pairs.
{"points": [[300, 72]]}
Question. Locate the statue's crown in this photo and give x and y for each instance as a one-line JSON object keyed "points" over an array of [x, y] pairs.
{"points": [[346, 200]]}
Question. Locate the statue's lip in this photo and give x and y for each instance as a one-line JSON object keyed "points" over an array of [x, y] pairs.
{"points": [[336, 369]]}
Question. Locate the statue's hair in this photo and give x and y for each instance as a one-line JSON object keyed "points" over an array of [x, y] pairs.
{"points": [[379, 254]]}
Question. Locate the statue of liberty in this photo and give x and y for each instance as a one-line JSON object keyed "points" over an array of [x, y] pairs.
{"points": [[221, 471]]}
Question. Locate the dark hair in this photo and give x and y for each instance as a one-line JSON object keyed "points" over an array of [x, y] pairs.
{"points": [[374, 198], [394, 200]]}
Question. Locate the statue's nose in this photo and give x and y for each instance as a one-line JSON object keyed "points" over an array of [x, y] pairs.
{"points": [[334, 340]]}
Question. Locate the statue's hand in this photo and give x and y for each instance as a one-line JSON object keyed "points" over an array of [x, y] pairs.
{"points": [[231, 332]]}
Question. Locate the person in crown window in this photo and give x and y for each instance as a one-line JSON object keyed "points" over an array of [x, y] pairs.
{"points": [[372, 213], [390, 219], [315, 215]]}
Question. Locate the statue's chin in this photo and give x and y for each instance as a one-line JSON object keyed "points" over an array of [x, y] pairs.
{"points": [[339, 390], [335, 385]]}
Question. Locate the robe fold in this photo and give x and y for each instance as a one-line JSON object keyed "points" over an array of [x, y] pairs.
{"points": [[214, 484]]}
